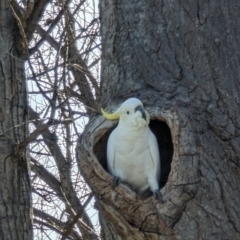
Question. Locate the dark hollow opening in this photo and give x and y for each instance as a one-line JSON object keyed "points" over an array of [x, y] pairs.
{"points": [[165, 145]]}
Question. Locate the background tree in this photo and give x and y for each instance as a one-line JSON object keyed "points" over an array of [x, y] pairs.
{"points": [[15, 207], [63, 92], [59, 42], [181, 58]]}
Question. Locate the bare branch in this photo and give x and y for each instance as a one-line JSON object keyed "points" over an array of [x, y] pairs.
{"points": [[63, 94], [65, 177], [47, 177], [75, 220], [36, 14], [55, 223]]}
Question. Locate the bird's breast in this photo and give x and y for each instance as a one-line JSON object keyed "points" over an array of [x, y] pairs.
{"points": [[129, 148], [132, 161], [133, 165]]}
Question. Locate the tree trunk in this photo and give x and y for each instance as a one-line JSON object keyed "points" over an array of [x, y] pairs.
{"points": [[15, 204], [181, 58]]}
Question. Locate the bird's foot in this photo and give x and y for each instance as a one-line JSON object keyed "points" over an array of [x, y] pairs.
{"points": [[116, 181], [157, 194]]}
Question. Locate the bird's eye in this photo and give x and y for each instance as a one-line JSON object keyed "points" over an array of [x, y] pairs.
{"points": [[128, 112]]}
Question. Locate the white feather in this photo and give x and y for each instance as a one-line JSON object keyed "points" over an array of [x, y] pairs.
{"points": [[132, 149]]}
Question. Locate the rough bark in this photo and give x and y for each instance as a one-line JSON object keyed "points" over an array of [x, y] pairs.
{"points": [[15, 200], [181, 58]]}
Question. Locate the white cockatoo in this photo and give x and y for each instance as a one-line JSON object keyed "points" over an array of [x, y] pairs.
{"points": [[132, 149]]}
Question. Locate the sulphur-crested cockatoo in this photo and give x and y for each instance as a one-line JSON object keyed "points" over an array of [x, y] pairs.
{"points": [[132, 149]]}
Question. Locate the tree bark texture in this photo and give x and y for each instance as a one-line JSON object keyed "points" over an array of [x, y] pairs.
{"points": [[15, 200], [181, 58]]}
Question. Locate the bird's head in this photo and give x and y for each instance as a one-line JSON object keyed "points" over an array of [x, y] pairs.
{"points": [[131, 112]]}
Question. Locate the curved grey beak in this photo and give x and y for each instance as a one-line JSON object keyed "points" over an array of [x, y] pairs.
{"points": [[140, 108]]}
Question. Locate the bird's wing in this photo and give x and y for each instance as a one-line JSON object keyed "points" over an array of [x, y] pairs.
{"points": [[155, 156], [111, 152]]}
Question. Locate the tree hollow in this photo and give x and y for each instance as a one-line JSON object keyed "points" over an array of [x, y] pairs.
{"points": [[165, 146]]}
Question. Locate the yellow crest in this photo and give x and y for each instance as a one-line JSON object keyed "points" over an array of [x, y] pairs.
{"points": [[110, 116]]}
